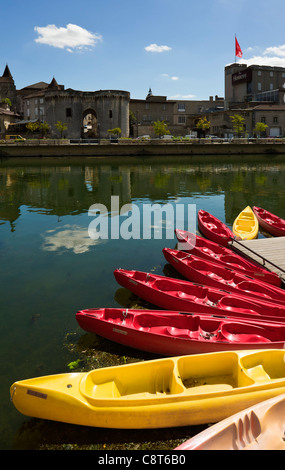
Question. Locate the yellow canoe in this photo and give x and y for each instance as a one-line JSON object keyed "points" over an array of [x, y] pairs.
{"points": [[168, 392], [260, 427], [246, 225]]}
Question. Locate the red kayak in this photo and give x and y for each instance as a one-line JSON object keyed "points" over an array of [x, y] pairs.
{"points": [[269, 222], [172, 334], [211, 274], [185, 296], [211, 251], [214, 229]]}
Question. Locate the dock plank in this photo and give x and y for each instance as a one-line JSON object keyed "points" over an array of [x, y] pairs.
{"points": [[268, 252]]}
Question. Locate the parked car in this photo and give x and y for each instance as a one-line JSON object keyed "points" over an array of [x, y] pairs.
{"points": [[15, 138]]}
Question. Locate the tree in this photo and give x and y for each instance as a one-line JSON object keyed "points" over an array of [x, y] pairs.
{"points": [[260, 128], [61, 127], [160, 128], [6, 101], [32, 127], [116, 131], [203, 125], [238, 124], [44, 128]]}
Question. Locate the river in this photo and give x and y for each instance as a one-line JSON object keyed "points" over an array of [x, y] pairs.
{"points": [[51, 267]]}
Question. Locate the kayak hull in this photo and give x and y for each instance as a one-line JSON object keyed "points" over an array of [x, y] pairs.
{"points": [[246, 225], [185, 296], [211, 274], [171, 333], [163, 393], [270, 222], [260, 427], [207, 249], [214, 229]]}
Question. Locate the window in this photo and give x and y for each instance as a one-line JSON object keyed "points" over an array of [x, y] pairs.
{"points": [[259, 73], [275, 120], [110, 114], [271, 74], [271, 86], [68, 112], [181, 119], [259, 87], [181, 106], [263, 119]]}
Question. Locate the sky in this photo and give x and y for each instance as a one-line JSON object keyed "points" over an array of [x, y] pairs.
{"points": [[178, 48]]}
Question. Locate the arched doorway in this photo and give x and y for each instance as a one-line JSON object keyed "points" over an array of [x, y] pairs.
{"points": [[90, 124]]}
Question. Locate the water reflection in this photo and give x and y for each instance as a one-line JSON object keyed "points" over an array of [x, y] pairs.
{"points": [[68, 237], [71, 190], [44, 214]]}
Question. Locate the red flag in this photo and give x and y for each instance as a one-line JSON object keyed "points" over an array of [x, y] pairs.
{"points": [[238, 49]]}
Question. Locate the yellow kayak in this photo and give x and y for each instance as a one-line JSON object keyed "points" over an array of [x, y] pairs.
{"points": [[246, 225], [168, 392]]}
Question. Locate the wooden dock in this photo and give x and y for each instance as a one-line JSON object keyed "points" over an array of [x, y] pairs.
{"points": [[268, 252]]}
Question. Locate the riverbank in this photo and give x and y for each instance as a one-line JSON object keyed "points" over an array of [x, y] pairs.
{"points": [[66, 148]]}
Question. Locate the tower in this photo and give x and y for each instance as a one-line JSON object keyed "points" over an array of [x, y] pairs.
{"points": [[7, 87]]}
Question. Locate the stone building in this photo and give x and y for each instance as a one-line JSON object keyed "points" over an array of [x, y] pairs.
{"points": [[85, 114], [179, 115], [8, 89], [89, 114], [256, 83]]}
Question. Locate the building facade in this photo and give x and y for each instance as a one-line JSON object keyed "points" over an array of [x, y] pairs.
{"points": [[85, 114], [255, 92], [179, 115]]}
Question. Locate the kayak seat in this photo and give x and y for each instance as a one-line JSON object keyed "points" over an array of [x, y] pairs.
{"points": [[244, 333], [183, 295], [258, 374], [178, 332], [158, 330]]}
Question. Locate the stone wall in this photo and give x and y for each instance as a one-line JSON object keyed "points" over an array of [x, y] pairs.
{"points": [[110, 107]]}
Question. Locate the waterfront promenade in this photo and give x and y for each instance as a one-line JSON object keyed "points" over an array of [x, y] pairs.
{"points": [[155, 147]]}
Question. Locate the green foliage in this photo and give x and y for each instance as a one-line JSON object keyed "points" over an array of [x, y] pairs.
{"points": [[116, 131], [238, 124], [73, 365], [260, 128], [6, 101], [203, 124], [61, 127], [44, 128], [160, 128], [32, 127]]}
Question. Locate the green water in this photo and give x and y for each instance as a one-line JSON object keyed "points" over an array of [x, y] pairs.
{"points": [[50, 267]]}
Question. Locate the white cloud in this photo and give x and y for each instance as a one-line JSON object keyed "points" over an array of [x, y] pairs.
{"points": [[272, 56], [168, 76], [277, 51], [156, 48], [68, 238], [182, 97], [71, 38]]}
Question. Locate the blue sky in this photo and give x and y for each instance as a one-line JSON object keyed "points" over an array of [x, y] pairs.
{"points": [[179, 48]]}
